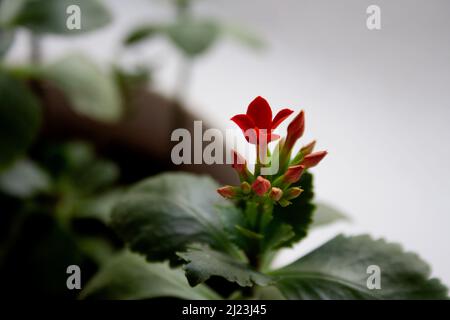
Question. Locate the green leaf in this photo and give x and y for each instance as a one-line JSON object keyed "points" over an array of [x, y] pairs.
{"points": [[6, 40], [165, 213], [129, 276], [50, 16], [326, 214], [298, 215], [338, 270], [20, 118], [97, 248], [24, 179], [202, 263], [98, 207], [91, 92], [276, 236], [142, 33], [193, 37], [95, 175]]}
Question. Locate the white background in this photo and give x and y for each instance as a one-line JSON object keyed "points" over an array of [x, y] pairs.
{"points": [[378, 101]]}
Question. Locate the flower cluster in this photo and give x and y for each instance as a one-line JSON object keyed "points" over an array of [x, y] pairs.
{"points": [[258, 126]]}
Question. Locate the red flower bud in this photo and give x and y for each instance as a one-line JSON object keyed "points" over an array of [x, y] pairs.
{"points": [[293, 174], [305, 150], [295, 130], [313, 159], [260, 186], [276, 194], [239, 162], [293, 193], [227, 192]]}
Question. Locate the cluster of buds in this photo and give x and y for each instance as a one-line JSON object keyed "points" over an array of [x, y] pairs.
{"points": [[279, 187]]}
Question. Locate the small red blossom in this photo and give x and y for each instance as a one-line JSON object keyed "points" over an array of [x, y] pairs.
{"points": [[260, 186], [313, 159], [257, 123]]}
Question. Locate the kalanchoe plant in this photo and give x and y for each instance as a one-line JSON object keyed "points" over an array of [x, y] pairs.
{"points": [[180, 218]]}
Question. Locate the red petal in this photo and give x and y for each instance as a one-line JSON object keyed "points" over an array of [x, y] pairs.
{"points": [[261, 114], [243, 121], [280, 117], [247, 126]]}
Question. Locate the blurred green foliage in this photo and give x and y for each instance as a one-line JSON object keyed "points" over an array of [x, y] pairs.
{"points": [[44, 226]]}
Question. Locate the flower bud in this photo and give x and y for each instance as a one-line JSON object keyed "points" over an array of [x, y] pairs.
{"points": [[295, 130], [305, 150], [240, 165], [276, 194], [293, 174], [293, 193], [260, 186], [228, 192], [245, 187], [313, 159]]}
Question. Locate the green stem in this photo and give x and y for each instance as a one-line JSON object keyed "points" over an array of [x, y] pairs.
{"points": [[258, 162]]}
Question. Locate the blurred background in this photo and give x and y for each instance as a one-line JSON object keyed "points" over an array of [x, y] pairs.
{"points": [[377, 100]]}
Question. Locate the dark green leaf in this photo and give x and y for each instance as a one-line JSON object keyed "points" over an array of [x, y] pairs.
{"points": [[298, 215], [20, 118], [97, 248], [96, 175], [278, 236], [326, 214], [91, 92], [202, 263], [167, 212], [50, 16], [129, 276], [98, 206], [193, 37], [142, 33], [24, 179], [338, 270]]}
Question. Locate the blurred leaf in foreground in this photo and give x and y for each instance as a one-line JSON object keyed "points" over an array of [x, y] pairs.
{"points": [[20, 118], [91, 92], [24, 179]]}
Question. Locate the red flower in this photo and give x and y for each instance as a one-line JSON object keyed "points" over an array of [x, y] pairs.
{"points": [[258, 121]]}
